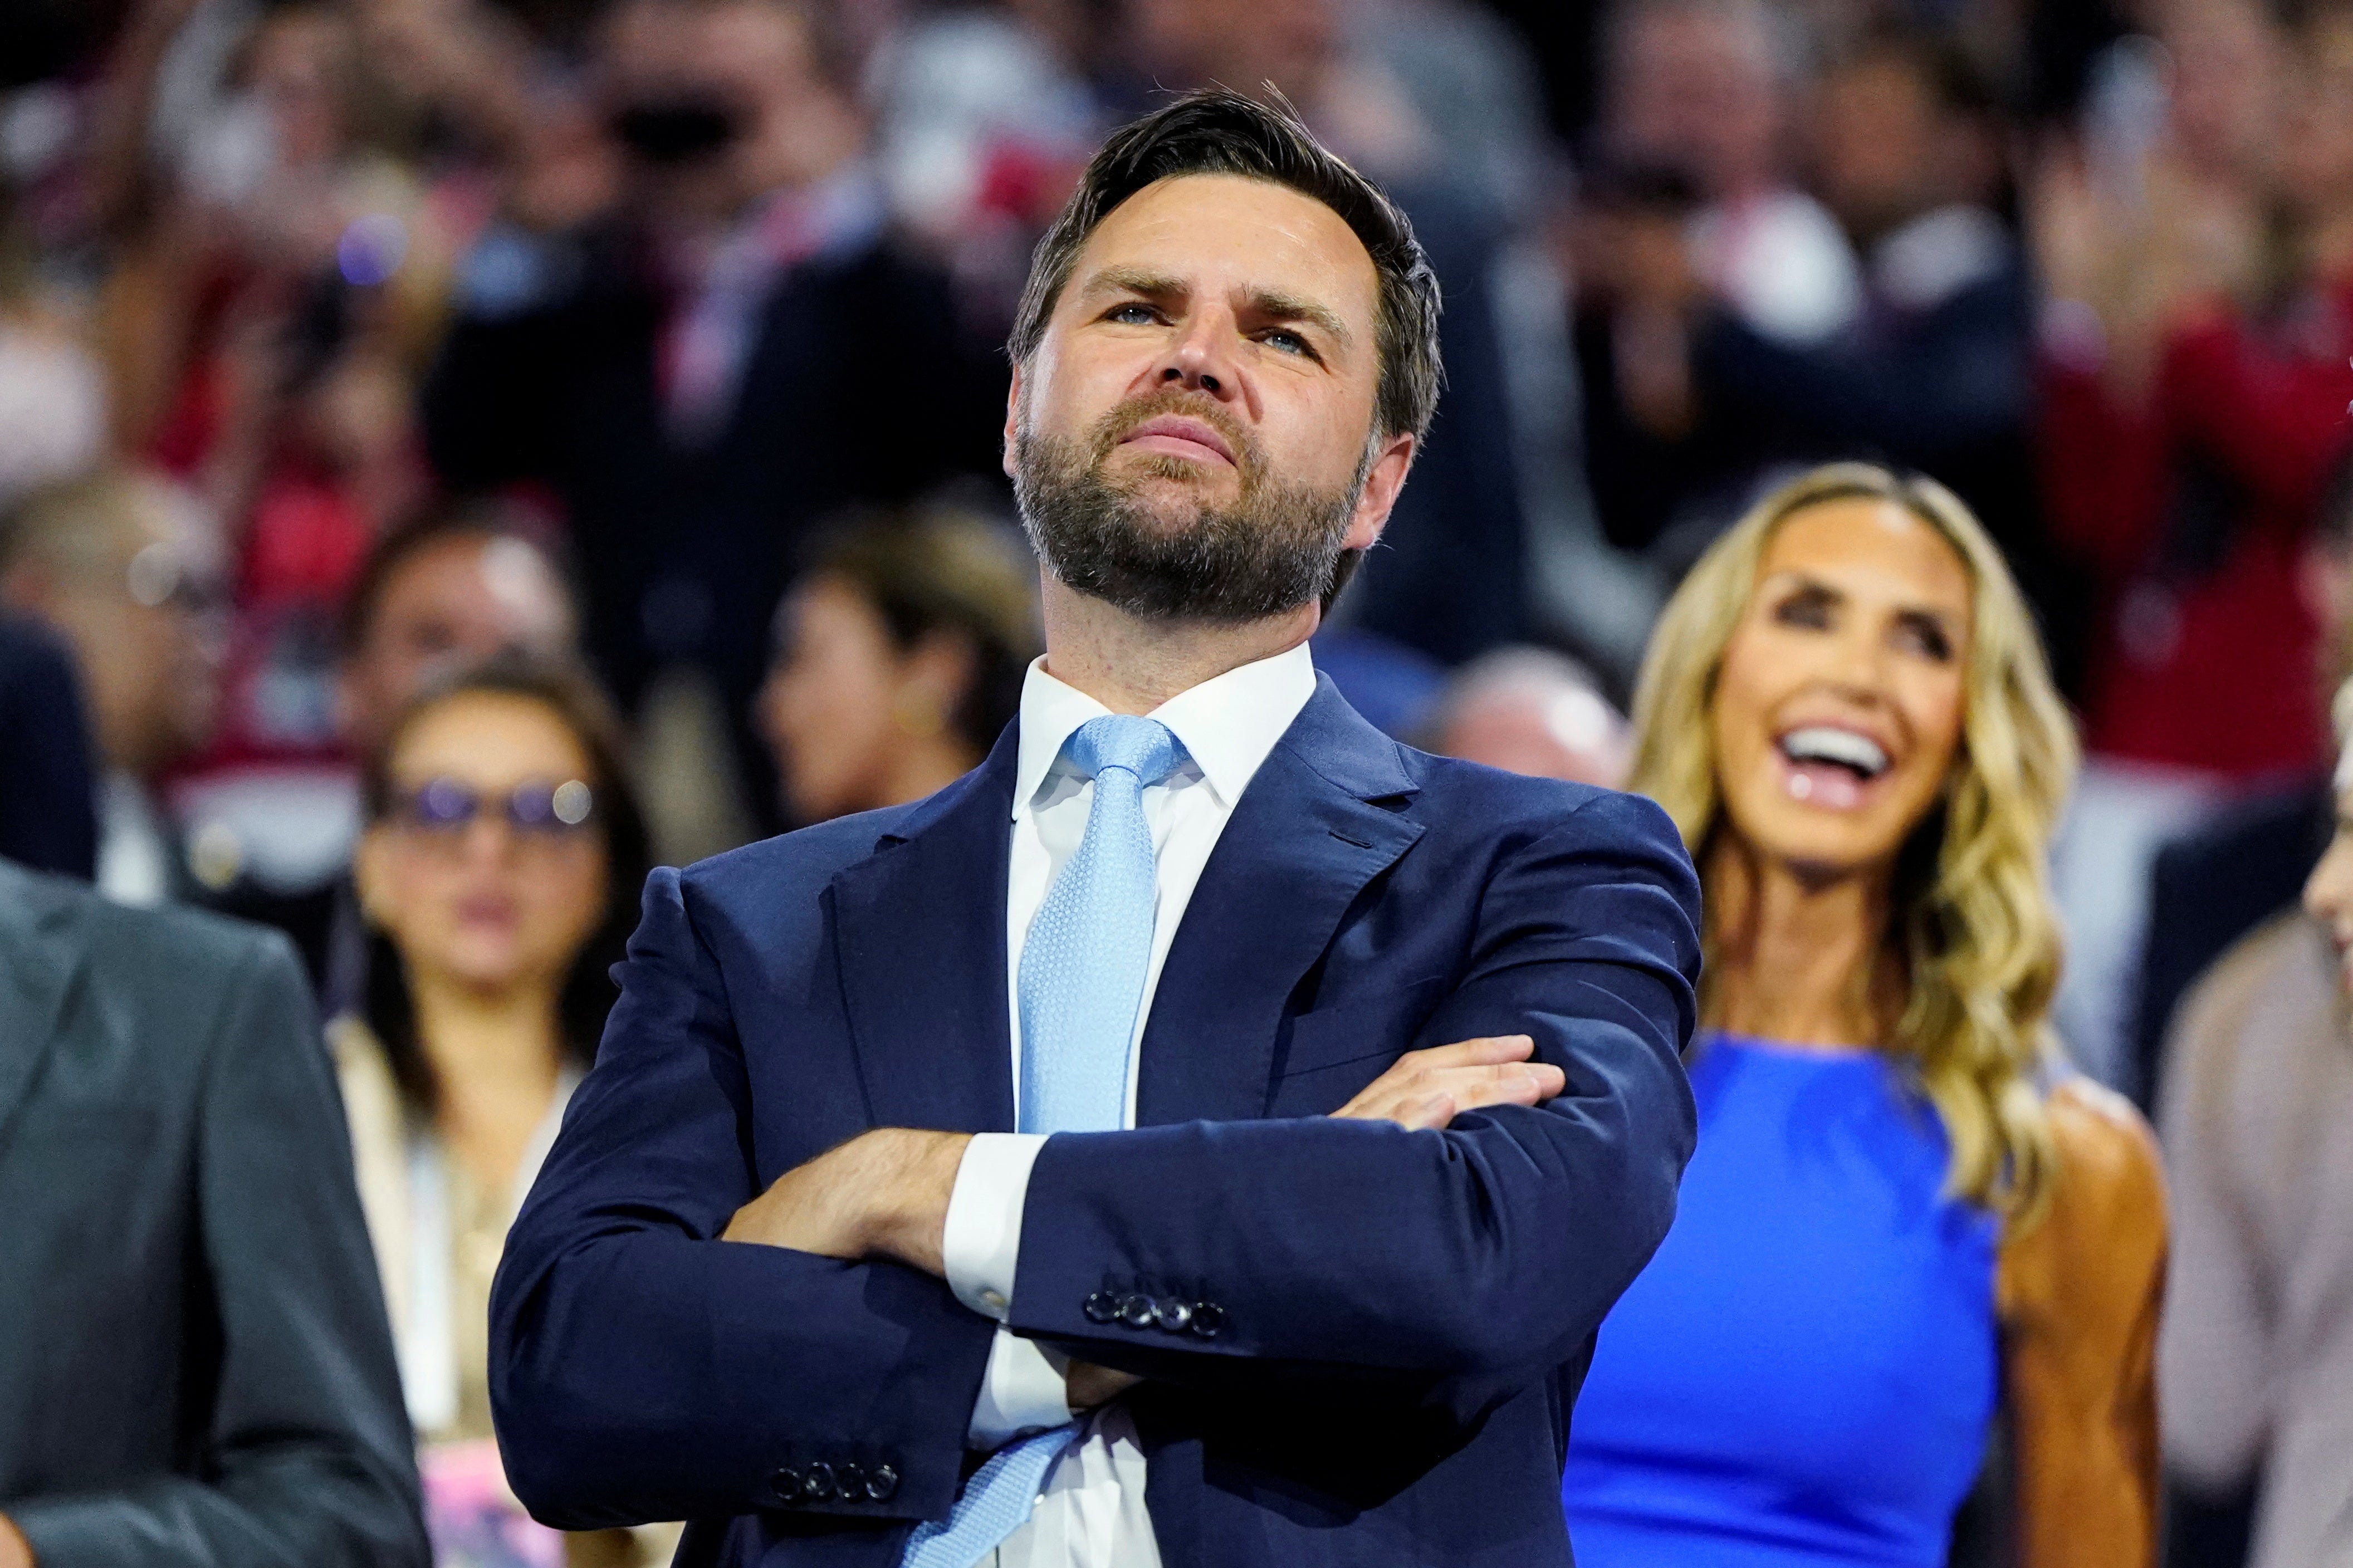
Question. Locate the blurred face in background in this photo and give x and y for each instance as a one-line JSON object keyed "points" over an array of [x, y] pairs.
{"points": [[1241, 43], [136, 593], [2227, 63], [299, 64], [1839, 707], [471, 896], [720, 101], [1886, 149], [455, 601], [1695, 89], [2315, 163], [844, 707], [1544, 729]]}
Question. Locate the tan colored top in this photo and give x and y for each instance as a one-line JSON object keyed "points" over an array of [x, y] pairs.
{"points": [[2078, 1298], [382, 1130], [478, 1220], [2256, 1358]]}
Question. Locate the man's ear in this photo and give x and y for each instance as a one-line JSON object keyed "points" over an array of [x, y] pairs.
{"points": [[1012, 423], [1383, 480]]}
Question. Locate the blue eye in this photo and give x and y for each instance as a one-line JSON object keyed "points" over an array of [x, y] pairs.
{"points": [[1288, 343], [1131, 314]]}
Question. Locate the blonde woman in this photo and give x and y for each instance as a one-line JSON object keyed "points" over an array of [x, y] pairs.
{"points": [[1902, 1216]]}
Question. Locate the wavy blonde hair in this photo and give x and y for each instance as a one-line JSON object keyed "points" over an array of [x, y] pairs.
{"points": [[1972, 922]]}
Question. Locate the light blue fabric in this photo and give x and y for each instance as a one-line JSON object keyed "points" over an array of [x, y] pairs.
{"points": [[995, 1502], [1084, 965], [1082, 971]]}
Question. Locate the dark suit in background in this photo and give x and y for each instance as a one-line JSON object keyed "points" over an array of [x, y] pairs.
{"points": [[1401, 1319], [684, 546], [194, 1366], [48, 803], [1448, 578], [2209, 888]]}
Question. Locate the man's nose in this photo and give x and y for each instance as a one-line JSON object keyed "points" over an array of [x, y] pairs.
{"points": [[1203, 359]]}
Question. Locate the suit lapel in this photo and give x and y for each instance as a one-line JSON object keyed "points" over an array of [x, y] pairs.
{"points": [[39, 963], [1303, 842], [919, 932]]}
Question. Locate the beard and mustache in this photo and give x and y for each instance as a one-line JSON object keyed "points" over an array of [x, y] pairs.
{"points": [[1277, 547]]}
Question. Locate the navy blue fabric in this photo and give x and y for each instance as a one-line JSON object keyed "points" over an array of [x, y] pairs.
{"points": [[1405, 1315], [1805, 1376], [48, 795]]}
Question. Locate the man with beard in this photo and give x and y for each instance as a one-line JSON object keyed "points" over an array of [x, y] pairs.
{"points": [[1207, 1132]]}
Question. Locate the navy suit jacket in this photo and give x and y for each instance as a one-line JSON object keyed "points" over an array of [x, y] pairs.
{"points": [[48, 800], [1402, 1318]]}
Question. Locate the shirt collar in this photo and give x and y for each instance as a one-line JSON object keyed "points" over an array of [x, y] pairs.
{"points": [[1227, 724]]}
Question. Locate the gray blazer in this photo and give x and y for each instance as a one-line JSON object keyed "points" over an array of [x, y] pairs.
{"points": [[194, 1368], [2254, 1361]]}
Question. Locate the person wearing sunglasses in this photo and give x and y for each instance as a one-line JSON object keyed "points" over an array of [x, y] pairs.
{"points": [[497, 872]]}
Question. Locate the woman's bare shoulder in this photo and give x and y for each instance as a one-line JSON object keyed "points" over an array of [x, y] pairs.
{"points": [[2101, 1244]]}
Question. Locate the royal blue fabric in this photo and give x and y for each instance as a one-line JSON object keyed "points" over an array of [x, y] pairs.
{"points": [[1405, 1316], [1805, 1376]]}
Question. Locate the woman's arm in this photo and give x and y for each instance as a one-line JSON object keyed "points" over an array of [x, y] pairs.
{"points": [[2079, 1296]]}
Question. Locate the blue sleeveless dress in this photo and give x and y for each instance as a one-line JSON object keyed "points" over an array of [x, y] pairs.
{"points": [[1806, 1374]]}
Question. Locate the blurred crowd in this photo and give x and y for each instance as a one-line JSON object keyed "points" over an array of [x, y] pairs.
{"points": [[416, 410]]}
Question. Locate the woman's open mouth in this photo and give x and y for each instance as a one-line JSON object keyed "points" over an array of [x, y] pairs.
{"points": [[1830, 765]]}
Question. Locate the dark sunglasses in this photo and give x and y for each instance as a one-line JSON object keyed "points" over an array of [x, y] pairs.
{"points": [[535, 807]]}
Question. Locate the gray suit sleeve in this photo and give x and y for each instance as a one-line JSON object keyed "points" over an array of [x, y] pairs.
{"points": [[306, 1460]]}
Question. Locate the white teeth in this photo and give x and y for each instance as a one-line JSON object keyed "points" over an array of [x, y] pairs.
{"points": [[1821, 743]]}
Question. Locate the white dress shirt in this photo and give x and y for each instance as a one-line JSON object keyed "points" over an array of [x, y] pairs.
{"points": [[1090, 1513]]}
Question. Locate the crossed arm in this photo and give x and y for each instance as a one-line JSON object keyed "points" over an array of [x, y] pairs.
{"points": [[885, 1194], [1446, 1243]]}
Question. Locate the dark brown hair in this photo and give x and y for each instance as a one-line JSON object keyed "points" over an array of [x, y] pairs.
{"points": [[929, 571], [479, 519], [1222, 132], [589, 989]]}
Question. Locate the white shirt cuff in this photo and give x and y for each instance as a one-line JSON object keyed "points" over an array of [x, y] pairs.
{"points": [[980, 1246], [1024, 1390]]}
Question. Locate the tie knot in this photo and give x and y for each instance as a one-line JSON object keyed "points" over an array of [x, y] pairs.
{"points": [[1144, 747]]}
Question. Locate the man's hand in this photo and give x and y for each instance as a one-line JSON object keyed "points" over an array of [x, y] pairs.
{"points": [[1431, 1087], [1086, 1386], [16, 1551], [885, 1194]]}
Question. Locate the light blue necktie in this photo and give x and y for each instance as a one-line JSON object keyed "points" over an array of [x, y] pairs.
{"points": [[1083, 969]]}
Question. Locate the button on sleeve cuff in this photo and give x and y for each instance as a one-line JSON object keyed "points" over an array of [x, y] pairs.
{"points": [[980, 1245]]}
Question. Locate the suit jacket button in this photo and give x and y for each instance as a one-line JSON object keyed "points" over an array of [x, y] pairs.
{"points": [[1135, 1311], [1208, 1320], [849, 1482], [787, 1484], [881, 1480], [1102, 1307], [1173, 1315], [817, 1481]]}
